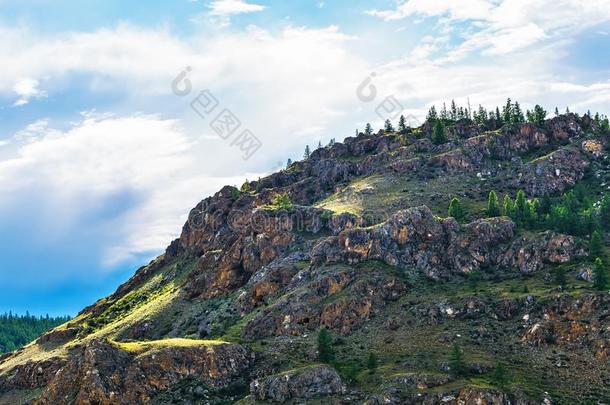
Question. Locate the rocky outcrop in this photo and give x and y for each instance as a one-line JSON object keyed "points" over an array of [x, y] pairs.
{"points": [[553, 173], [414, 238], [532, 254], [104, 374], [335, 297], [465, 396], [304, 383]]}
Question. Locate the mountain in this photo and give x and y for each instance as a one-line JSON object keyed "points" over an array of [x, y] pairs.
{"points": [[342, 279]]}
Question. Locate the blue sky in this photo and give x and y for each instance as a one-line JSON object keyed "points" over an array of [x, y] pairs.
{"points": [[100, 161]]}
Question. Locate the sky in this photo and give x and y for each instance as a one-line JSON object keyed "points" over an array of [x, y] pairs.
{"points": [[117, 117]]}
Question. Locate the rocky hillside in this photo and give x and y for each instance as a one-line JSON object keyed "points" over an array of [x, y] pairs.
{"points": [[342, 279]]}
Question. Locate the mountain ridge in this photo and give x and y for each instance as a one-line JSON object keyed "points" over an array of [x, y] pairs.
{"points": [[355, 240]]}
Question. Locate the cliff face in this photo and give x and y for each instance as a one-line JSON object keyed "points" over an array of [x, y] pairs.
{"points": [[231, 311]]}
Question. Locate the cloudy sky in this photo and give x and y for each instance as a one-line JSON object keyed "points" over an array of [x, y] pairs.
{"points": [[102, 154]]}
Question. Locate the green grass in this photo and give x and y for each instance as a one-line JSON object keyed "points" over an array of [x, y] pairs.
{"points": [[146, 346]]}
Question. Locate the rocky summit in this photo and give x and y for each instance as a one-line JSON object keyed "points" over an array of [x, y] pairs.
{"points": [[460, 262]]}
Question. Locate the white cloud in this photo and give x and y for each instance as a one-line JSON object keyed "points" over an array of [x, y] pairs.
{"points": [[75, 171], [27, 89], [501, 27], [232, 7], [34, 130], [462, 10]]}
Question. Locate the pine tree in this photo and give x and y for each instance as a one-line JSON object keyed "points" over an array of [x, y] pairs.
{"points": [[480, 117], [371, 363], [368, 130], [509, 207], [457, 366], [402, 124], [325, 347], [556, 112], [444, 114], [454, 113], [455, 210], [319, 144], [600, 275], [517, 114], [388, 126], [539, 115], [288, 163], [493, 209], [438, 133], [500, 376], [307, 152], [507, 112], [545, 205], [520, 206], [432, 115], [596, 245]]}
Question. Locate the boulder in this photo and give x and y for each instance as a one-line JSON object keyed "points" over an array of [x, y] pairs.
{"points": [[305, 383]]}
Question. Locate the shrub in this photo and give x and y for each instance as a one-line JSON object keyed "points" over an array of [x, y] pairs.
{"points": [[325, 346], [371, 362], [457, 366], [282, 202]]}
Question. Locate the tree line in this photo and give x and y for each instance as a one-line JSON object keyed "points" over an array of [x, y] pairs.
{"points": [[18, 330], [510, 114]]}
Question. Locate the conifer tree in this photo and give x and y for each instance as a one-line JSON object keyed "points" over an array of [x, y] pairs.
{"points": [[307, 152], [368, 130], [457, 366], [600, 275], [319, 144], [371, 363], [438, 133], [388, 126], [493, 209], [517, 114], [596, 245], [402, 124], [556, 112], [520, 206], [444, 114], [480, 117], [538, 115], [432, 115], [325, 348], [288, 163], [455, 210], [509, 208], [507, 111], [500, 376], [454, 113]]}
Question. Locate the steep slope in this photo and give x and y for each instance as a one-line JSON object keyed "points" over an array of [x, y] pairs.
{"points": [[361, 247]]}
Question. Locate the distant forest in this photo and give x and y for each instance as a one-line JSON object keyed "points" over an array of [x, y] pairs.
{"points": [[18, 330]]}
